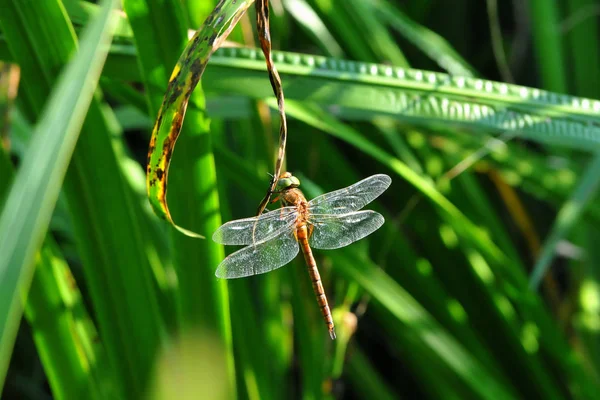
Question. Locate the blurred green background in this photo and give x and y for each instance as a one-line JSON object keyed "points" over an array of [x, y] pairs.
{"points": [[483, 283]]}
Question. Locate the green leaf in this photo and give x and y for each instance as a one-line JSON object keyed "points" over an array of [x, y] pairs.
{"points": [[432, 44], [186, 74], [30, 203], [101, 203], [199, 301], [567, 217], [418, 97], [548, 44], [422, 330], [308, 19]]}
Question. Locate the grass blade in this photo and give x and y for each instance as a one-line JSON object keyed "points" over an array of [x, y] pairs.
{"points": [[186, 75], [201, 299], [102, 207], [432, 340], [66, 339], [567, 217], [548, 44], [33, 195]]}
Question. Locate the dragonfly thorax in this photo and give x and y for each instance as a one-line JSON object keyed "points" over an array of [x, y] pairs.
{"points": [[287, 186], [294, 197]]}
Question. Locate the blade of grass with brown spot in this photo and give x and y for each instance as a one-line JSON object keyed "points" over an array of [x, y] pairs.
{"points": [[186, 75]]}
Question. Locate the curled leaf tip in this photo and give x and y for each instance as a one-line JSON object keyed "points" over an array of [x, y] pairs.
{"points": [[157, 195], [183, 80], [189, 233]]}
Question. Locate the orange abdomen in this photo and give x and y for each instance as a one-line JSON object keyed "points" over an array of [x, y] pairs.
{"points": [[315, 277]]}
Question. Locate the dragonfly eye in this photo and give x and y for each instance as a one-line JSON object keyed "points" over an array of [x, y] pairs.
{"points": [[283, 183], [287, 183]]}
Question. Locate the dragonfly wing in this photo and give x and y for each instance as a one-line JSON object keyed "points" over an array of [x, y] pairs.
{"points": [[257, 229], [352, 198], [335, 231], [260, 258]]}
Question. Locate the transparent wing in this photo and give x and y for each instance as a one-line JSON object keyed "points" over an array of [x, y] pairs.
{"points": [[352, 198], [335, 231], [260, 258], [240, 231]]}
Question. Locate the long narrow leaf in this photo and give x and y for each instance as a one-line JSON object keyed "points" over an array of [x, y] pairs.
{"points": [[183, 80], [103, 212], [29, 206], [567, 217], [200, 301]]}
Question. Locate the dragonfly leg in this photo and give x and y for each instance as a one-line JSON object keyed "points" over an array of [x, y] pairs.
{"points": [[311, 228]]}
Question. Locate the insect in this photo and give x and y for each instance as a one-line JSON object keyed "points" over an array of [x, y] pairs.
{"points": [[273, 239]]}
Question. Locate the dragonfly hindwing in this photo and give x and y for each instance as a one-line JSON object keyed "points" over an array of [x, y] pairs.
{"points": [[335, 231]]}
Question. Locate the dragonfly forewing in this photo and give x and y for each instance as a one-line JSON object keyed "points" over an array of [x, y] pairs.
{"points": [[335, 231], [256, 229], [260, 258], [352, 198]]}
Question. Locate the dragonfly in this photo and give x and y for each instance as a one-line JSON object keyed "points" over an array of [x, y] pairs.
{"points": [[273, 239]]}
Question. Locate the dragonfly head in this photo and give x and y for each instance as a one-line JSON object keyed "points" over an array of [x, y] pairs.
{"points": [[287, 181]]}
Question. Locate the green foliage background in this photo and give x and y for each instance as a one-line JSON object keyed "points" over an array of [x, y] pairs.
{"points": [[481, 285]]}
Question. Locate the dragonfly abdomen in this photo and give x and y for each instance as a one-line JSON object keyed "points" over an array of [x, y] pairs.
{"points": [[315, 278]]}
